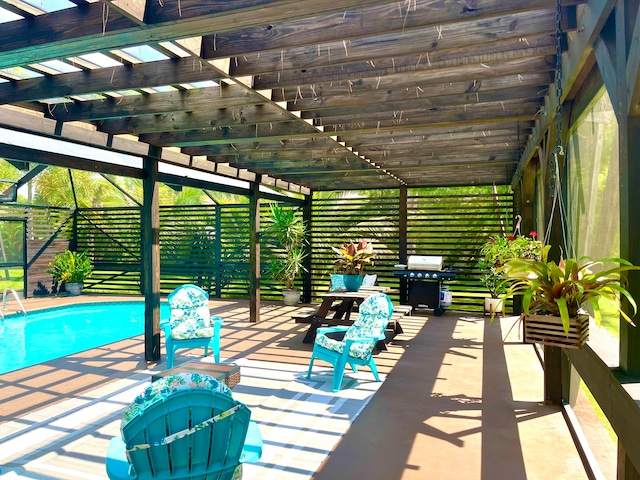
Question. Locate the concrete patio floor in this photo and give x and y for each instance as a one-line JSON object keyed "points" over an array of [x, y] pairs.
{"points": [[459, 402]]}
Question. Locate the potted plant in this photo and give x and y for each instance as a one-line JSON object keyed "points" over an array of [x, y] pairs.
{"points": [[72, 269], [554, 293], [493, 280], [351, 262], [288, 232], [497, 251]]}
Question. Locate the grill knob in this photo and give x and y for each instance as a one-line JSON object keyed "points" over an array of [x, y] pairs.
{"points": [[419, 275], [412, 275], [435, 275]]}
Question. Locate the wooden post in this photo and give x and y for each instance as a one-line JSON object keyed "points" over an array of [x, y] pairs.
{"points": [[306, 276], [150, 246], [254, 251], [629, 149], [403, 239], [626, 88]]}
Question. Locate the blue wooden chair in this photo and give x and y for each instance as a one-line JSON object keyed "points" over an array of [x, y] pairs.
{"points": [[359, 340], [184, 426], [190, 324]]}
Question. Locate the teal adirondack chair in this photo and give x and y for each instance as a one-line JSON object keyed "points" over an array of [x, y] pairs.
{"points": [[359, 341], [184, 426], [190, 324]]}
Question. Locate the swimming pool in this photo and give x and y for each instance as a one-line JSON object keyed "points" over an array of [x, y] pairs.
{"points": [[51, 333]]}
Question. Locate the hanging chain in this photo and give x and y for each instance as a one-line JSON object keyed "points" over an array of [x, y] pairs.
{"points": [[558, 150]]}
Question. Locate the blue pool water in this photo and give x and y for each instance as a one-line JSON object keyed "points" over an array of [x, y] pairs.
{"points": [[57, 332]]}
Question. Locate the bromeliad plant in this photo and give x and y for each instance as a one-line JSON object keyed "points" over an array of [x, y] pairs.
{"points": [[352, 257], [561, 289]]}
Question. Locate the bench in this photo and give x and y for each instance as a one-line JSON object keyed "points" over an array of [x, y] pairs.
{"points": [[394, 328]]}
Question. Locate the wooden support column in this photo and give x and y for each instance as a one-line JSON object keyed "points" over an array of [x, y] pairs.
{"points": [[626, 33], [629, 150], [403, 238], [254, 251], [306, 276], [150, 246], [553, 355], [527, 187]]}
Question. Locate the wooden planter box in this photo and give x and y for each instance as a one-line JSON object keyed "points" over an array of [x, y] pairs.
{"points": [[548, 330]]}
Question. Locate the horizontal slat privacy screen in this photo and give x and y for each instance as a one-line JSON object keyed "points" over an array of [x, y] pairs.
{"points": [[209, 244], [453, 226]]}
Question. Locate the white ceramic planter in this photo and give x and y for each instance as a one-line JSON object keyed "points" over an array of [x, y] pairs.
{"points": [[493, 305], [291, 297]]}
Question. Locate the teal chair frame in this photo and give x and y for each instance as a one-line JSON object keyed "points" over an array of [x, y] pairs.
{"points": [[190, 324], [184, 426], [359, 341]]}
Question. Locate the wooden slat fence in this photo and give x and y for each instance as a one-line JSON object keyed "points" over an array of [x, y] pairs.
{"points": [[455, 227], [209, 244], [341, 219], [48, 230]]}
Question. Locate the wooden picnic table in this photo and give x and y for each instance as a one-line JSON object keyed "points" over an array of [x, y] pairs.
{"points": [[342, 312]]}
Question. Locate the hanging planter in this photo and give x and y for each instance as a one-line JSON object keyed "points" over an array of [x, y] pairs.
{"points": [[549, 330], [553, 294]]}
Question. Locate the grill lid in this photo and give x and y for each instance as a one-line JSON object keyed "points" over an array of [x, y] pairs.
{"points": [[424, 262]]}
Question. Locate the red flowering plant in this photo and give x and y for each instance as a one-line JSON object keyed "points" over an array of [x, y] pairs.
{"points": [[498, 250]]}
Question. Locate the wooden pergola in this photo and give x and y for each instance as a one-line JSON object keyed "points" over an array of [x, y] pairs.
{"points": [[310, 96]]}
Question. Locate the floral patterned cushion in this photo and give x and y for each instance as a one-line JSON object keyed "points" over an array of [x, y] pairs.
{"points": [[190, 317], [163, 387], [373, 317]]}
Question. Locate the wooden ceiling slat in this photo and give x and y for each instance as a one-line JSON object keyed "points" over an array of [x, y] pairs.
{"points": [[538, 79], [357, 24], [346, 82], [151, 74], [199, 119], [430, 102], [448, 37], [77, 30], [457, 114], [226, 96], [244, 133]]}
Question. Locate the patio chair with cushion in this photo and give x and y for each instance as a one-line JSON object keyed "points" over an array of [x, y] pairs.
{"points": [[184, 426], [190, 324], [359, 341]]}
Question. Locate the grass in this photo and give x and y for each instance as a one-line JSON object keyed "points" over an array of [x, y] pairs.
{"points": [[16, 279]]}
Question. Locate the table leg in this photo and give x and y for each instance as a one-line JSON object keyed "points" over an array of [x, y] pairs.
{"points": [[310, 336]]}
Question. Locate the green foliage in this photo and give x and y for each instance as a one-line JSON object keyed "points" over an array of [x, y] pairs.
{"points": [[493, 280], [352, 258], [71, 267], [561, 289], [500, 249], [289, 233]]}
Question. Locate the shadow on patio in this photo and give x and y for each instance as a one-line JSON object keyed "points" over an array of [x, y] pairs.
{"points": [[457, 403]]}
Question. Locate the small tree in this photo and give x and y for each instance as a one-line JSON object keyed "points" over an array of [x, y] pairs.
{"points": [[289, 232]]}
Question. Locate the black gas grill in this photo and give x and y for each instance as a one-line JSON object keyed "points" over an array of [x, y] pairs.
{"points": [[425, 276]]}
